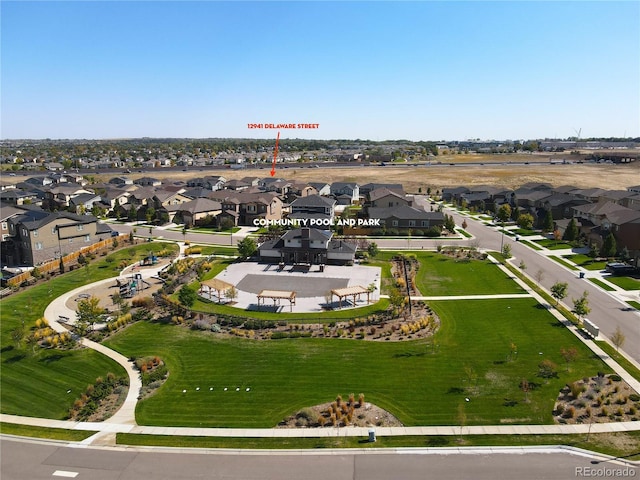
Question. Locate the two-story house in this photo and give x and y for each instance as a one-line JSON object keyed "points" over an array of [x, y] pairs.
{"points": [[38, 236], [313, 207]]}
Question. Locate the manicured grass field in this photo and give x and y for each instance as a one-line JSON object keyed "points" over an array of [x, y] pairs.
{"points": [[559, 260], [553, 244], [531, 244], [587, 262], [628, 283], [634, 304], [44, 432], [602, 285], [421, 385], [615, 444], [218, 250], [34, 382], [443, 275]]}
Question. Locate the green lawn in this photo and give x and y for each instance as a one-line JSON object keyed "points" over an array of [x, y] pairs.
{"points": [[586, 262], [553, 244], [627, 283], [624, 363], [417, 385], [531, 244], [36, 384], [217, 250], [634, 304], [44, 432], [560, 260], [602, 284], [443, 275], [616, 444]]}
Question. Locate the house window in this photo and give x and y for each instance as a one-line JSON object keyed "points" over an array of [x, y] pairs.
{"points": [[25, 232], [425, 223], [5, 236], [38, 245], [4, 225], [71, 240], [87, 238], [251, 208], [80, 227], [394, 223], [35, 233], [412, 223], [53, 231]]}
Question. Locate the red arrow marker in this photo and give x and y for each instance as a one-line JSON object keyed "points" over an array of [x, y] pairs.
{"points": [[275, 156]]}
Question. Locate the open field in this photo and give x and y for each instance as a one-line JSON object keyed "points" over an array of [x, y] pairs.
{"points": [[417, 382], [35, 381], [605, 176]]}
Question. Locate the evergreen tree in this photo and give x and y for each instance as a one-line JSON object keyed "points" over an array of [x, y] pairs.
{"points": [[571, 233], [547, 223], [609, 248]]}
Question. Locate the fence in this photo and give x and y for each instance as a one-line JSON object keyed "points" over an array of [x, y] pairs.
{"points": [[69, 259]]}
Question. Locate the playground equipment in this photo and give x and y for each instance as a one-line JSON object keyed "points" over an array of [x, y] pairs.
{"points": [[130, 287], [150, 259]]}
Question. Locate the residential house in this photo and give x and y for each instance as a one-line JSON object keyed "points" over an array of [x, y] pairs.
{"points": [[19, 197], [199, 211], [384, 197], [121, 181], [210, 182], [369, 187], [348, 189], [243, 208], [84, 202], [313, 207], [404, 218], [322, 188], [148, 182], [38, 236], [60, 195], [6, 212]]}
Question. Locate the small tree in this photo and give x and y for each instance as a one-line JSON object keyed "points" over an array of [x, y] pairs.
{"points": [[559, 291], [525, 221], [593, 250], [506, 250], [88, 314], [504, 213], [396, 298], [525, 387], [247, 247], [618, 338], [547, 369], [569, 355], [449, 223], [187, 296], [522, 265], [372, 249], [581, 305], [464, 224], [231, 293]]}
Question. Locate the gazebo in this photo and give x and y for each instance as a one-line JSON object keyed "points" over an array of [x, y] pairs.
{"points": [[354, 292], [220, 286], [276, 296]]}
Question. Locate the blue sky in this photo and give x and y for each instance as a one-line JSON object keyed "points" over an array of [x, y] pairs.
{"points": [[369, 70]]}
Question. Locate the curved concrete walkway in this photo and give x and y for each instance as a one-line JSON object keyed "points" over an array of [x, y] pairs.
{"points": [[123, 421]]}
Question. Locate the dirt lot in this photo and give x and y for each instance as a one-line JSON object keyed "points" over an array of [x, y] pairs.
{"points": [[606, 176]]}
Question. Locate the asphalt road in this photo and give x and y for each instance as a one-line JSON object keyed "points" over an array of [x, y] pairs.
{"points": [[26, 460]]}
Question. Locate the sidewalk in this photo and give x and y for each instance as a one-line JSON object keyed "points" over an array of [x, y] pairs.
{"points": [[123, 421]]}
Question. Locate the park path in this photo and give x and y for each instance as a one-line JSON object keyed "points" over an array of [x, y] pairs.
{"points": [[123, 421]]}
